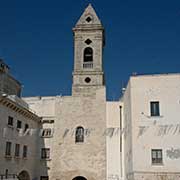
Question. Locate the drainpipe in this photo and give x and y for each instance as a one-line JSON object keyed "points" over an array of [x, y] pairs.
{"points": [[120, 138]]}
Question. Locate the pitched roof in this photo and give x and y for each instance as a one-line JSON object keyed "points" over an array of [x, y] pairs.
{"points": [[89, 19]]}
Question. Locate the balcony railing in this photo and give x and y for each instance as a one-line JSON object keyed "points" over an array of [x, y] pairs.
{"points": [[8, 177], [87, 65]]}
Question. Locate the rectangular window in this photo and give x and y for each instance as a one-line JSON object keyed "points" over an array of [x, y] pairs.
{"points": [[25, 150], [19, 124], [44, 178], [17, 150], [48, 121], [47, 132], [26, 127], [8, 148], [156, 156], [45, 153], [155, 108], [10, 121]]}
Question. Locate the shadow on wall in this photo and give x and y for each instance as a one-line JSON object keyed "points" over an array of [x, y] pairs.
{"points": [[43, 156], [39, 168]]}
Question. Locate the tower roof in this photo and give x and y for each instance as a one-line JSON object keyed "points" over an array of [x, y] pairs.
{"points": [[89, 19]]}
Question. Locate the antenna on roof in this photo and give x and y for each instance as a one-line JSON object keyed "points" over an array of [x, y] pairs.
{"points": [[134, 73], [123, 89]]}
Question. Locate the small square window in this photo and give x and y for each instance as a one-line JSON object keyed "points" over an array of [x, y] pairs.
{"points": [[10, 121], [156, 156], [44, 178], [45, 153], [154, 108], [88, 19], [48, 121], [88, 41], [47, 132], [19, 124]]}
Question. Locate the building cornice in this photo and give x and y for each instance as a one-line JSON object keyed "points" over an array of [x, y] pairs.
{"points": [[7, 102]]}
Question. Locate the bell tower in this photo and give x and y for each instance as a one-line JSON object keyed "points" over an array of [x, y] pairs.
{"points": [[81, 154], [88, 75]]}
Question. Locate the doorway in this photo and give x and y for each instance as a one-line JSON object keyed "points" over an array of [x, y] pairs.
{"points": [[23, 175], [79, 178]]}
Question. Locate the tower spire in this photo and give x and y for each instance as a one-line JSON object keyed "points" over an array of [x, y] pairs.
{"points": [[89, 18]]}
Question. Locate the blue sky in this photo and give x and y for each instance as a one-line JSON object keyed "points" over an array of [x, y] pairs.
{"points": [[37, 43]]}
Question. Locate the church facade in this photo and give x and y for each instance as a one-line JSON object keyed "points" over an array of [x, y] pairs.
{"points": [[85, 137]]}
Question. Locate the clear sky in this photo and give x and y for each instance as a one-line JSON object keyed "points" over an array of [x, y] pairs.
{"points": [[36, 41]]}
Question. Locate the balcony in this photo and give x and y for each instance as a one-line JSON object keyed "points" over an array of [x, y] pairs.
{"points": [[8, 177], [87, 65]]}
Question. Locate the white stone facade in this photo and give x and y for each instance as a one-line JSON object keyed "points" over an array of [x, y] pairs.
{"points": [[13, 164], [145, 132]]}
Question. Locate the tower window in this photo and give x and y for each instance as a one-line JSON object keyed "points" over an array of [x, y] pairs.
{"points": [[88, 41], [87, 80], [88, 54], [88, 19], [79, 135]]}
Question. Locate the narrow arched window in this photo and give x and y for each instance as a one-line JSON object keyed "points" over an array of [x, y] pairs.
{"points": [[79, 134], [88, 54]]}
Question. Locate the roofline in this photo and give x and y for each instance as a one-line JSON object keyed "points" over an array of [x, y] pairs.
{"points": [[4, 100], [152, 75], [18, 82], [2, 61]]}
